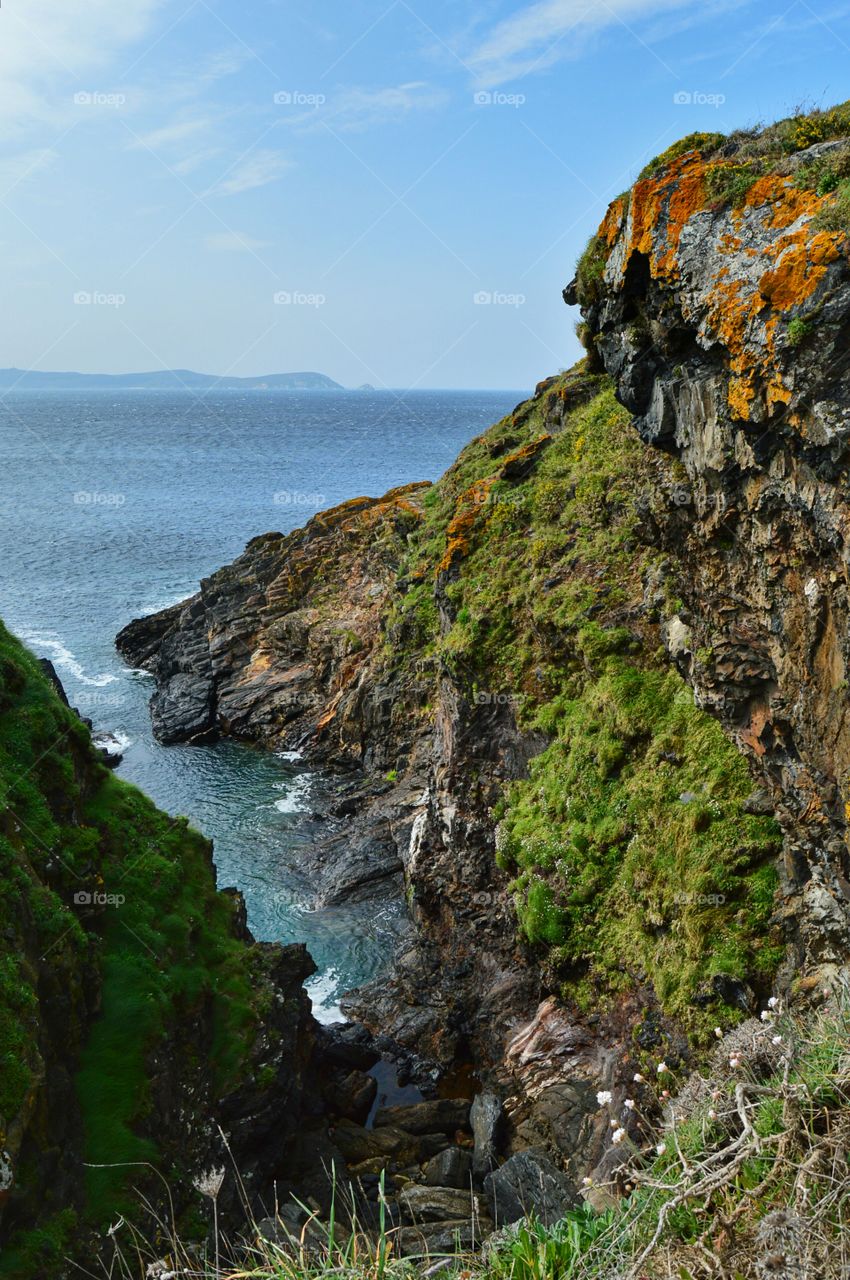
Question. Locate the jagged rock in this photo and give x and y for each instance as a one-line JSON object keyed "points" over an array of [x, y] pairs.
{"points": [[451, 1168], [443, 1115], [529, 1183], [487, 1119]]}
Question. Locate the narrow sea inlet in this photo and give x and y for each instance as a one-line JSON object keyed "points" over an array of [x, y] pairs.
{"points": [[116, 504]]}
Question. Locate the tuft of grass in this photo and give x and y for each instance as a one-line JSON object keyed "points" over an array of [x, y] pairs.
{"points": [[836, 215]]}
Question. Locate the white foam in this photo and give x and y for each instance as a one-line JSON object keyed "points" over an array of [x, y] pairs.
{"points": [[322, 991], [63, 658], [292, 757], [112, 741], [297, 792]]}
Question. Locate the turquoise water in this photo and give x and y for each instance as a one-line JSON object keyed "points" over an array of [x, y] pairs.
{"points": [[114, 505]]}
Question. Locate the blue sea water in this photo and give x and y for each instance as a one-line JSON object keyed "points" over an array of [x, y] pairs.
{"points": [[113, 505]]}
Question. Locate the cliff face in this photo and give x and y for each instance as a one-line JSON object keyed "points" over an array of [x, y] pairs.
{"points": [[136, 1013], [596, 685], [724, 323]]}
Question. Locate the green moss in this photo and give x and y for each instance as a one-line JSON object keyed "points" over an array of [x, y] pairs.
{"points": [[836, 215], [729, 183], [162, 951], [544, 613], [703, 143], [590, 270], [798, 330]]}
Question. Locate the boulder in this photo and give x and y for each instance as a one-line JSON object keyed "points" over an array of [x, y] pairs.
{"points": [[435, 1204], [442, 1238], [442, 1115], [530, 1183], [451, 1168], [486, 1117]]}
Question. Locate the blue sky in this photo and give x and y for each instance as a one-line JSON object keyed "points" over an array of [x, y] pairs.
{"points": [[387, 191]]}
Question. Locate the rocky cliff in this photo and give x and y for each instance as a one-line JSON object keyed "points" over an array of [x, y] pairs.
{"points": [[593, 681], [136, 1013]]}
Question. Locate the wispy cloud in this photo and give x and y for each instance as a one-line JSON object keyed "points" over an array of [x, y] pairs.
{"points": [[170, 135], [50, 48], [233, 242], [356, 109], [547, 31], [256, 170]]}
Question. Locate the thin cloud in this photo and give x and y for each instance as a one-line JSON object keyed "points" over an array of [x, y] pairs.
{"points": [[170, 135], [233, 242], [543, 33], [52, 48], [356, 109], [257, 170]]}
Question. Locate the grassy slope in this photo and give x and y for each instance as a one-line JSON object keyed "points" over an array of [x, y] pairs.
{"points": [[68, 826], [629, 838]]}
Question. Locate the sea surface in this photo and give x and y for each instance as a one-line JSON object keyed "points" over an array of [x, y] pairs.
{"points": [[115, 504]]}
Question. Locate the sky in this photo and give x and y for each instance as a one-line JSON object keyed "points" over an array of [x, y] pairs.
{"points": [[390, 192]]}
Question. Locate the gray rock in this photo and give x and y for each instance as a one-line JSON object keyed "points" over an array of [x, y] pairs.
{"points": [[530, 1183], [442, 1238], [435, 1204], [442, 1115], [451, 1168], [486, 1117]]}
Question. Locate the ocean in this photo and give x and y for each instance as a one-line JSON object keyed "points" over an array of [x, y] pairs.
{"points": [[115, 504]]}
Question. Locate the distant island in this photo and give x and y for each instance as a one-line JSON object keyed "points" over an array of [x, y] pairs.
{"points": [[162, 380]]}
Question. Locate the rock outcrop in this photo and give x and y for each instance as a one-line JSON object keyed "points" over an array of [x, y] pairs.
{"points": [[593, 683], [725, 327]]}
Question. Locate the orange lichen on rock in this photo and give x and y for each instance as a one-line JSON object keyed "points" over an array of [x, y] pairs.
{"points": [[462, 523], [795, 263], [612, 223], [660, 209]]}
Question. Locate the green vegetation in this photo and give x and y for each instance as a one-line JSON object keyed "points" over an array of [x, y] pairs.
{"points": [[798, 330], [836, 215], [590, 270], [757, 1144], [628, 838], [703, 143], [160, 948], [729, 183], [763, 149]]}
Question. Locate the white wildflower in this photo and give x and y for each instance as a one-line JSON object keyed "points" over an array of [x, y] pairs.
{"points": [[629, 1104], [638, 1078], [661, 1068], [661, 1148], [210, 1183], [776, 1040], [718, 1033], [773, 1002], [617, 1136], [603, 1097]]}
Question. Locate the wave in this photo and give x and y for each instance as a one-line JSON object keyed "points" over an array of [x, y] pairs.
{"points": [[323, 990], [297, 794], [62, 657]]}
